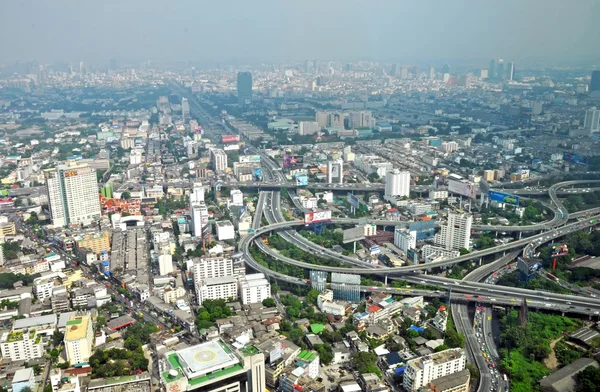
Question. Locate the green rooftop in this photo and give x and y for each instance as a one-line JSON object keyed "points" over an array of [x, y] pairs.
{"points": [[307, 356], [217, 374], [74, 322], [174, 361], [317, 328], [249, 350]]}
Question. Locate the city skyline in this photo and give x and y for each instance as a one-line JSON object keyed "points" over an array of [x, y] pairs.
{"points": [[267, 31]]}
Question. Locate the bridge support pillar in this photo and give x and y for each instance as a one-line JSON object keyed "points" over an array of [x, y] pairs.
{"points": [[385, 282], [520, 234], [354, 247], [563, 314], [503, 253], [480, 261]]}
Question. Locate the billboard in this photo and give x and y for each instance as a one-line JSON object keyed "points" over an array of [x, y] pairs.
{"points": [[463, 187], [502, 197], [257, 174], [302, 180], [353, 200], [317, 216], [293, 160], [249, 158], [230, 138], [375, 249]]}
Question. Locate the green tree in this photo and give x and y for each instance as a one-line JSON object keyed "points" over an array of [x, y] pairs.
{"points": [[269, 302]]}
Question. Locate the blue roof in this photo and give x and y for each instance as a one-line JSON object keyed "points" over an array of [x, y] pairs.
{"points": [[417, 329], [393, 358], [400, 370]]}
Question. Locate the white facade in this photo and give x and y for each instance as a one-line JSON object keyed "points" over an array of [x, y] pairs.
{"points": [[225, 231], [217, 288], [218, 160], [420, 371], [434, 253], [199, 214], [197, 195], [254, 288], [456, 233], [370, 230], [165, 263], [21, 349], [436, 194], [405, 239], [592, 120], [212, 267], [79, 339], [335, 171], [72, 195], [237, 197], [308, 127], [450, 147], [397, 184]]}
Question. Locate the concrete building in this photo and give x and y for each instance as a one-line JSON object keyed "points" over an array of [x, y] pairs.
{"points": [[217, 288], [72, 195], [218, 160], [456, 233], [185, 110], [421, 371], [254, 288], [23, 378], [244, 88], [79, 339], [488, 175], [308, 128], [335, 171], [592, 120], [455, 382], [564, 379], [405, 239], [165, 261], [225, 230], [199, 215], [25, 341], [397, 184], [197, 195]]}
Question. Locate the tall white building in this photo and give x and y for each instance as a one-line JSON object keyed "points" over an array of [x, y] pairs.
{"points": [[185, 110], [79, 339], [199, 214], [218, 159], [24, 342], [397, 184], [456, 233], [165, 262], [197, 194], [211, 267], [217, 288], [405, 239], [72, 195], [592, 120], [335, 171], [420, 371], [254, 288], [308, 128]]}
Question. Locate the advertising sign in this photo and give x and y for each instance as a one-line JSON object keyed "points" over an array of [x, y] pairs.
{"points": [[375, 250], [317, 216], [257, 174], [501, 197], [230, 138], [293, 160], [249, 158], [353, 200], [302, 180], [463, 187]]}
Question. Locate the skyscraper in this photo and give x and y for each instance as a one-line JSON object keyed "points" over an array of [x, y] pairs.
{"points": [[72, 194], [397, 184], [592, 120], [185, 110], [500, 70], [492, 69], [431, 72], [510, 71], [595, 84], [456, 233], [244, 88]]}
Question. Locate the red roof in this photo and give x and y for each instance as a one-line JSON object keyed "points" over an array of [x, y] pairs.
{"points": [[374, 308], [393, 210]]}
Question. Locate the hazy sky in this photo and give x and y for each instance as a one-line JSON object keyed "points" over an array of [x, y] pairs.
{"points": [[292, 30]]}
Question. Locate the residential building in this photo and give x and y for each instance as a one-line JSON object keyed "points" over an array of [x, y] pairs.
{"points": [[488, 175], [23, 378], [92, 242], [165, 261], [217, 288], [592, 120], [405, 239], [25, 341], [308, 128], [79, 339], [199, 215], [218, 159], [254, 288], [455, 382], [335, 171], [456, 233], [421, 371], [72, 194], [435, 253], [225, 230], [244, 88], [397, 184]]}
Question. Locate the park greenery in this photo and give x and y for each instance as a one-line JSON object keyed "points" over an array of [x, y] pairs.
{"points": [[588, 380], [8, 280], [523, 348], [292, 251], [210, 311]]}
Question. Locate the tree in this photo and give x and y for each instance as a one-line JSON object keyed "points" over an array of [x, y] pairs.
{"points": [[57, 338], [588, 380], [269, 302], [325, 353], [54, 355], [464, 251]]}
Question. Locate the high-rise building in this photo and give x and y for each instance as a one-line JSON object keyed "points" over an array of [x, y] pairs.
{"points": [[72, 195], [79, 339], [185, 110], [397, 184], [492, 69], [308, 128], [361, 119], [595, 83], [254, 288], [405, 239], [197, 195], [500, 72], [488, 175], [404, 73], [421, 371], [199, 214], [218, 160], [244, 88], [456, 233], [510, 71], [431, 72], [592, 120], [335, 171]]}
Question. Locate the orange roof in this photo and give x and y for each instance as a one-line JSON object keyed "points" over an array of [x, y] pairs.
{"points": [[374, 308]]}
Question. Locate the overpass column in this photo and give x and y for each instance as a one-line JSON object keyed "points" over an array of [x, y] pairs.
{"points": [[520, 234], [385, 280], [480, 260]]}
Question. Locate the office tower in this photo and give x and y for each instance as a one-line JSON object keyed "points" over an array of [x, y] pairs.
{"points": [[185, 110], [72, 194], [492, 69], [421, 371], [218, 159], [361, 119], [592, 120], [197, 195], [199, 214], [244, 88], [595, 83], [79, 339], [456, 233], [483, 73], [254, 288], [335, 171], [214, 366], [397, 184], [500, 70], [404, 73], [431, 72], [395, 69], [307, 66], [510, 71], [346, 287], [81, 69], [445, 68]]}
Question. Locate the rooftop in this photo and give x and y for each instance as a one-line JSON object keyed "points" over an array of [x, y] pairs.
{"points": [[202, 360], [77, 327]]}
